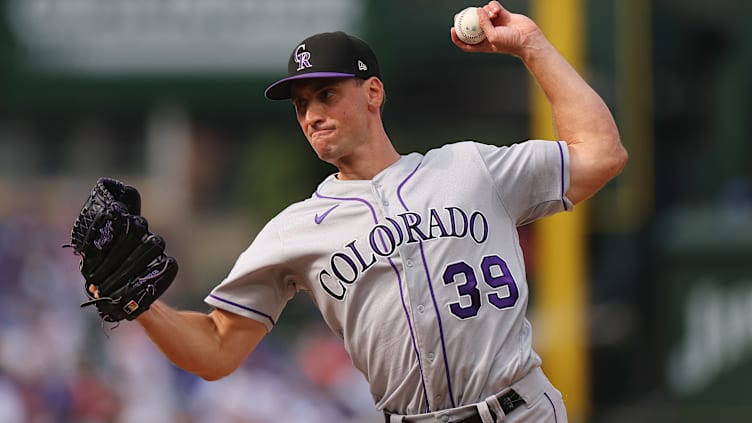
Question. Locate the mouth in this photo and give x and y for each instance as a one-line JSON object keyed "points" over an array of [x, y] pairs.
{"points": [[321, 133]]}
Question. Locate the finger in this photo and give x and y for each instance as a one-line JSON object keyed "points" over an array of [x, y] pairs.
{"points": [[455, 39], [453, 34], [484, 20], [497, 12], [93, 290], [492, 8]]}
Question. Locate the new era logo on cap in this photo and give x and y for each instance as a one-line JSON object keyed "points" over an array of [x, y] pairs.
{"points": [[326, 55]]}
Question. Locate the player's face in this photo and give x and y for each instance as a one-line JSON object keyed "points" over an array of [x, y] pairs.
{"points": [[333, 116]]}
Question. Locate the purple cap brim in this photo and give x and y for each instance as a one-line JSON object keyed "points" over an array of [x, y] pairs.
{"points": [[280, 90]]}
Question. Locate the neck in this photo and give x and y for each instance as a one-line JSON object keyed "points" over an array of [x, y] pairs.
{"points": [[369, 160]]}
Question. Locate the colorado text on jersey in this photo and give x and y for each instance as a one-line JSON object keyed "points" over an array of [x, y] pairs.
{"points": [[345, 266]]}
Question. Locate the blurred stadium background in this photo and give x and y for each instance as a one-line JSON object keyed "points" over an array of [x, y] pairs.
{"points": [[168, 96]]}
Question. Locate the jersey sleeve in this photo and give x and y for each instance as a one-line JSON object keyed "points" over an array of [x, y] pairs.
{"points": [[531, 177], [258, 285]]}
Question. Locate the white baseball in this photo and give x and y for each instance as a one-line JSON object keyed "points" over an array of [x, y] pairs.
{"points": [[467, 26]]}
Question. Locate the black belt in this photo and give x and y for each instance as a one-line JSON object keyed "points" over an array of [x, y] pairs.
{"points": [[508, 400]]}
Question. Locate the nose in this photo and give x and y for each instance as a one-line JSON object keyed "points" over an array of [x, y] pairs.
{"points": [[313, 114]]}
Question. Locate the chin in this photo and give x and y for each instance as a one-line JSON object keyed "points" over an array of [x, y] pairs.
{"points": [[323, 150]]}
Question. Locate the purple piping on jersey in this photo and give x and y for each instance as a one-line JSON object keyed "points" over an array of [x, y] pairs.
{"points": [[556, 419], [561, 155], [402, 185], [430, 289], [370, 207], [243, 307], [399, 282], [412, 334]]}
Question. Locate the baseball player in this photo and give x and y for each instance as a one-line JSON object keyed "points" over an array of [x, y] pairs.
{"points": [[413, 259]]}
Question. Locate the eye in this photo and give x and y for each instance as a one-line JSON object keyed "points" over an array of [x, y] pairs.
{"points": [[326, 94], [300, 106]]}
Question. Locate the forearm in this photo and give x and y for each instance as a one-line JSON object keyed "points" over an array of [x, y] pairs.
{"points": [[578, 109], [581, 118], [208, 345]]}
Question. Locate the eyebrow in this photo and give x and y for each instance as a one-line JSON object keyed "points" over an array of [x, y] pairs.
{"points": [[317, 84]]}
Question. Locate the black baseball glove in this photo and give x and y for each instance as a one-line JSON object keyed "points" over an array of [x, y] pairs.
{"points": [[123, 264]]}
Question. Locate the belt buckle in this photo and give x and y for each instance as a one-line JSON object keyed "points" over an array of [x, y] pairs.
{"points": [[507, 403], [510, 400]]}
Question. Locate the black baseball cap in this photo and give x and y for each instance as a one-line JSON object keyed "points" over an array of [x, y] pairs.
{"points": [[326, 55]]}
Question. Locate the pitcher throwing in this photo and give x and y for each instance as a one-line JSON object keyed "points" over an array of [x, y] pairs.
{"points": [[413, 259]]}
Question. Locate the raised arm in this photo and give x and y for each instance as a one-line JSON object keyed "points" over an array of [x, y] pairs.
{"points": [[209, 345], [581, 117]]}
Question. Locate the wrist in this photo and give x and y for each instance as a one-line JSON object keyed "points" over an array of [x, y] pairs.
{"points": [[535, 46]]}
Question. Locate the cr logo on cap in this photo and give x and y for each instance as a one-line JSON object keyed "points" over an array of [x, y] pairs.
{"points": [[302, 58]]}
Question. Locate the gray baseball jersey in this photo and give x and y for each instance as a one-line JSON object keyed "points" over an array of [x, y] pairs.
{"points": [[419, 270]]}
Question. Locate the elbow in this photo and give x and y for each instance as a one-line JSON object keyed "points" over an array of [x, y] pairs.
{"points": [[210, 371], [611, 158], [611, 154], [213, 375], [619, 160], [622, 158], [592, 168]]}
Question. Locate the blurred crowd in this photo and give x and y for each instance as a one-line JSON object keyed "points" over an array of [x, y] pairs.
{"points": [[60, 364]]}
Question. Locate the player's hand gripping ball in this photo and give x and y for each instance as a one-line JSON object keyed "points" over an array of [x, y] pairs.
{"points": [[467, 26], [123, 264]]}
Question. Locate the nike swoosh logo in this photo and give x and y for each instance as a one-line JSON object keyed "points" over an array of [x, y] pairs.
{"points": [[320, 217]]}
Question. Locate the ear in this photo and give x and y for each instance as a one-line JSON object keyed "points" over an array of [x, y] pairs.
{"points": [[374, 89]]}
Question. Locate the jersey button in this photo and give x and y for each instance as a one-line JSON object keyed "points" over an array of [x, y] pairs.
{"points": [[421, 309], [409, 263], [430, 357]]}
